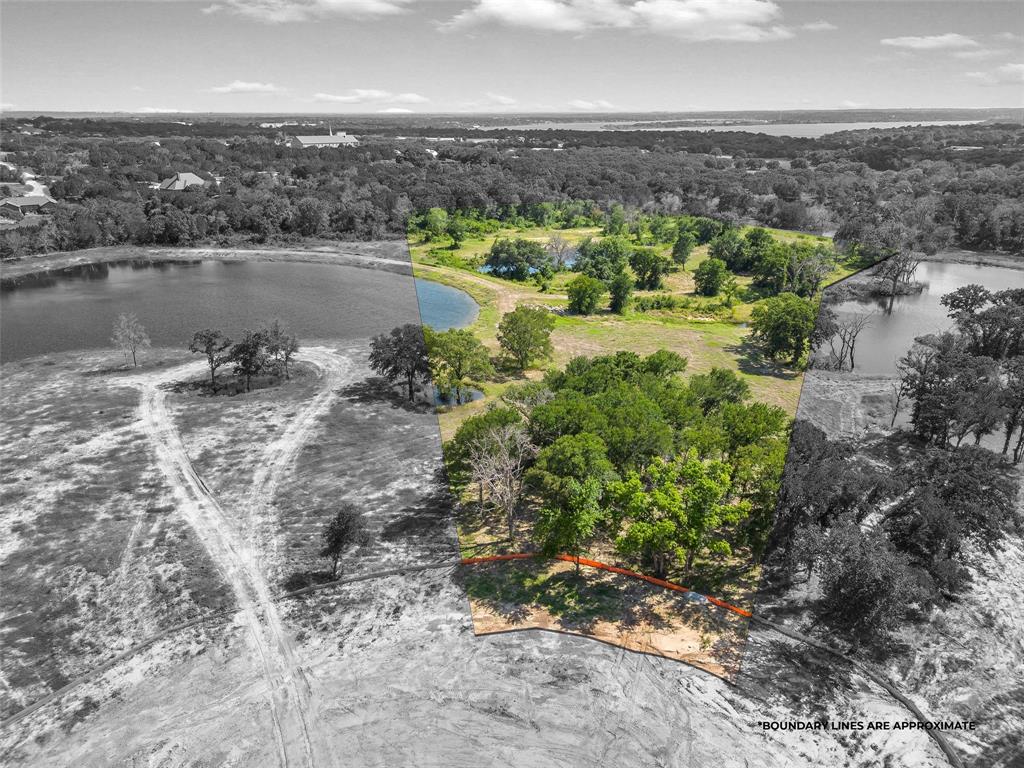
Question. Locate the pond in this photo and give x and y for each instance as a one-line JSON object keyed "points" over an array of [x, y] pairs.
{"points": [[890, 334], [75, 308]]}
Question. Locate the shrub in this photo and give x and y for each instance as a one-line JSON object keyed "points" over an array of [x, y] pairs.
{"points": [[585, 294], [710, 276]]}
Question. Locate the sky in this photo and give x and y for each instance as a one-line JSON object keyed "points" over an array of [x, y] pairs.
{"points": [[431, 56]]}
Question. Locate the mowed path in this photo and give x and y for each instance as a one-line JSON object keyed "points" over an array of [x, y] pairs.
{"points": [[237, 553]]}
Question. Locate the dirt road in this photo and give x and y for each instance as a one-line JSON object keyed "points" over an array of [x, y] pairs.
{"points": [[238, 554]]}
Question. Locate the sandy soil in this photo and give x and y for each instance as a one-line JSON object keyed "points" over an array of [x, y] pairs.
{"points": [[656, 622], [409, 684], [236, 552], [389, 672]]}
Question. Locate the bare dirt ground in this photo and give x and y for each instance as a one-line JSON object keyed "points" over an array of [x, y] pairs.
{"points": [[236, 551], [386, 672], [409, 684]]}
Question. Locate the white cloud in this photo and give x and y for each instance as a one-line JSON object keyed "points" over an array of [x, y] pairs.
{"points": [[395, 111], [1007, 74], [981, 54], [590, 106], [847, 104], [698, 20], [6, 106], [819, 26], [162, 111], [950, 40], [283, 11], [499, 100], [243, 86], [370, 96]]}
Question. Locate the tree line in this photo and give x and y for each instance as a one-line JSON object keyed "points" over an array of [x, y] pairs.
{"points": [[261, 189]]}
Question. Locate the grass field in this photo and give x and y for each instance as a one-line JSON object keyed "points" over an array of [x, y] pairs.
{"points": [[709, 335], [705, 331]]}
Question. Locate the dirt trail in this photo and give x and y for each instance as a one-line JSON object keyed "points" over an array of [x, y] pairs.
{"points": [[276, 459], [236, 554], [507, 298]]}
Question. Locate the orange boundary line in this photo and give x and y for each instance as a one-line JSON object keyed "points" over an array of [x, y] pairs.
{"points": [[612, 569]]}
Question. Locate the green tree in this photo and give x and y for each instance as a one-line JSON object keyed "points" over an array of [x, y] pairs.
{"points": [[525, 334], [211, 343], [717, 387], [456, 230], [683, 247], [344, 530], [782, 325], [650, 267], [710, 276], [568, 525], [621, 289], [130, 336], [457, 359], [602, 259], [401, 354], [615, 223], [732, 249], [730, 291], [515, 259], [435, 223], [585, 294], [576, 456], [675, 510]]}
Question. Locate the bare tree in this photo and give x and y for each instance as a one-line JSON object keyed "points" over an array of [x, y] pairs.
{"points": [[497, 463], [130, 336], [560, 249], [897, 273], [848, 331], [525, 397]]}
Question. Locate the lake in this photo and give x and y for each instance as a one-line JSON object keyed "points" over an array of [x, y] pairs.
{"points": [[797, 130], [889, 336], [75, 308]]}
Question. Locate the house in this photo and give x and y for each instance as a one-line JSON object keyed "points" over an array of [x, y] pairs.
{"points": [[180, 181], [28, 204], [332, 139]]}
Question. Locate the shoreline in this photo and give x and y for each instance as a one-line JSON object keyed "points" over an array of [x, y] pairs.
{"points": [[980, 258], [387, 255]]}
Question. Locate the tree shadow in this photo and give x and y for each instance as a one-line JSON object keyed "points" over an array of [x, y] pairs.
{"points": [[377, 390], [753, 361], [427, 520], [302, 579]]}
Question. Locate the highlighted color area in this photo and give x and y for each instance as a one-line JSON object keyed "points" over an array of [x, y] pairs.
{"points": [[514, 592]]}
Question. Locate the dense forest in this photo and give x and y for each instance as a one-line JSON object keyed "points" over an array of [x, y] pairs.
{"points": [[917, 188]]}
